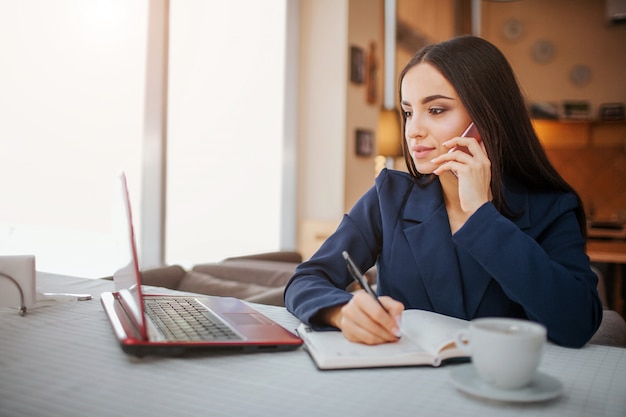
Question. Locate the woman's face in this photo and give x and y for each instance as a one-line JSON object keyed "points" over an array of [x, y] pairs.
{"points": [[434, 114]]}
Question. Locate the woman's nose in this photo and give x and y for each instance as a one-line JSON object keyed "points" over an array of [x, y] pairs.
{"points": [[413, 128]]}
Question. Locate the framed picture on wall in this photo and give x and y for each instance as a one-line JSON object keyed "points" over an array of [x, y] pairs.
{"points": [[371, 75], [357, 65], [364, 142]]}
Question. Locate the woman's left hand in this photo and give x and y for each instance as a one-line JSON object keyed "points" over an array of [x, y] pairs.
{"points": [[472, 169]]}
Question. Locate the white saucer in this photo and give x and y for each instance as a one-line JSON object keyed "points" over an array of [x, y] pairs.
{"points": [[542, 387]]}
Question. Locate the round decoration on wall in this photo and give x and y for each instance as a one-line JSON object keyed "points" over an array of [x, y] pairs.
{"points": [[543, 51], [580, 74], [513, 29]]}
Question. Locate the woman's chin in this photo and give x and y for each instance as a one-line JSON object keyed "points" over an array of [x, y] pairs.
{"points": [[424, 169]]}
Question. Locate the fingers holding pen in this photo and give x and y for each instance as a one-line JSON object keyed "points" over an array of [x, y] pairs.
{"points": [[367, 318], [364, 320]]}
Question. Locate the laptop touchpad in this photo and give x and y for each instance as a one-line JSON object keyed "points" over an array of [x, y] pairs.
{"points": [[246, 318]]}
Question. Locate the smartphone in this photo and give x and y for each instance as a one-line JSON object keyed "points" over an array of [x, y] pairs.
{"points": [[472, 132]]}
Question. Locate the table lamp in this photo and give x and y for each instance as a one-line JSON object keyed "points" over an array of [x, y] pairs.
{"points": [[389, 137]]}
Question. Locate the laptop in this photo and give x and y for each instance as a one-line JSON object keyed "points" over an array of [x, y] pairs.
{"points": [[152, 324]]}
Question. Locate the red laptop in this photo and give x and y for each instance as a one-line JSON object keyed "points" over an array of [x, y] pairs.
{"points": [[160, 324]]}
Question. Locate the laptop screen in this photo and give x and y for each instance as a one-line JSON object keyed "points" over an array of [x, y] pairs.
{"points": [[127, 279]]}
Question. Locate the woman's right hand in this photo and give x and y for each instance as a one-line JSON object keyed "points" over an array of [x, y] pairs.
{"points": [[363, 320]]}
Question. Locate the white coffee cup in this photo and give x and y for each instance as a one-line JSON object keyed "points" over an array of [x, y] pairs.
{"points": [[505, 352]]}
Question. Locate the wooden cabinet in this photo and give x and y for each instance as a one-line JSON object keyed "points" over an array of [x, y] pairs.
{"points": [[580, 133], [591, 156]]}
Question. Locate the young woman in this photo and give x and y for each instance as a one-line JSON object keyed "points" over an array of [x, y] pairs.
{"points": [[486, 229]]}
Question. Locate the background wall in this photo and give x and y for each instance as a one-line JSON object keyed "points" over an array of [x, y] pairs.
{"points": [[591, 156], [331, 108], [366, 27], [580, 33]]}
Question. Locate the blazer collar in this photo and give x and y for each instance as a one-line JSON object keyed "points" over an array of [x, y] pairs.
{"points": [[422, 203]]}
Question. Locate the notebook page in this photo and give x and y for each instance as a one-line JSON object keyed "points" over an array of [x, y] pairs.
{"points": [[431, 330]]}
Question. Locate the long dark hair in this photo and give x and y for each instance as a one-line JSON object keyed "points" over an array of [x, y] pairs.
{"points": [[487, 87]]}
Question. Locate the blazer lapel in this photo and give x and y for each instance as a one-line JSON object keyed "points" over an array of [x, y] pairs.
{"points": [[427, 231]]}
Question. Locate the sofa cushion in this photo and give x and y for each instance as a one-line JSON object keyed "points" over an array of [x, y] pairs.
{"points": [[167, 276], [259, 278], [202, 283], [612, 331], [272, 297], [268, 273], [282, 256]]}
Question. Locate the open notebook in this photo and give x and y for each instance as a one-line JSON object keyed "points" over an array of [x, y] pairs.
{"points": [[147, 324]]}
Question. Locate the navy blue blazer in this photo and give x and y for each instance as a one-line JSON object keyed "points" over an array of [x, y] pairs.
{"points": [[533, 267]]}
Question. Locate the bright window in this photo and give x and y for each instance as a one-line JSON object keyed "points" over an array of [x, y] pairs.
{"points": [[225, 128], [72, 116]]}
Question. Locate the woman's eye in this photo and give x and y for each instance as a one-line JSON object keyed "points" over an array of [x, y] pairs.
{"points": [[407, 113], [436, 110]]}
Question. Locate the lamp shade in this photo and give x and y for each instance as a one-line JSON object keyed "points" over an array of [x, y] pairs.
{"points": [[389, 136]]}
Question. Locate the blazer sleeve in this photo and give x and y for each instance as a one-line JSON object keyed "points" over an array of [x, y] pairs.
{"points": [[544, 269], [321, 281]]}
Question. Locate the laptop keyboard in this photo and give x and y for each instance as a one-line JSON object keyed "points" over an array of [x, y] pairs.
{"points": [[184, 318]]}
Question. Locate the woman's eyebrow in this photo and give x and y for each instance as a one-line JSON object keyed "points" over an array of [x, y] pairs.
{"points": [[435, 97], [428, 99]]}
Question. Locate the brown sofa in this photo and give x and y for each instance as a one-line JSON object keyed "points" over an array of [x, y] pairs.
{"points": [[261, 278]]}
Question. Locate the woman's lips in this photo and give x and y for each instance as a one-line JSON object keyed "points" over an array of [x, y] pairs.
{"points": [[420, 152]]}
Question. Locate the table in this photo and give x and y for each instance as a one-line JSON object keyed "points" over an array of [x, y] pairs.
{"points": [[63, 360]]}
